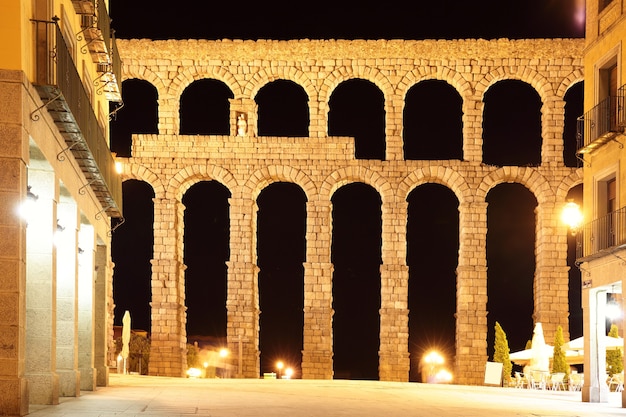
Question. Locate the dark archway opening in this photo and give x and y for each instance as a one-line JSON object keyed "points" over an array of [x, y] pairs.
{"points": [[573, 109], [131, 251], [357, 109], [283, 109], [205, 109], [433, 124], [281, 252], [356, 257], [206, 251], [432, 257], [512, 125], [138, 115], [575, 283], [510, 264]]}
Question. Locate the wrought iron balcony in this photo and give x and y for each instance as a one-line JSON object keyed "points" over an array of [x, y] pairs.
{"points": [[66, 100], [100, 44], [602, 123], [601, 235]]}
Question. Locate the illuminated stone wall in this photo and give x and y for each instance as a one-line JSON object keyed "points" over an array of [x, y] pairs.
{"points": [[320, 164]]}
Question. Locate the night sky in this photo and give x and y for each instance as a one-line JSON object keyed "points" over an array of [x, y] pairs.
{"points": [[280, 259]]}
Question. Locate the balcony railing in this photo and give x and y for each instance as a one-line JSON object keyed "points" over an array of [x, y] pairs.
{"points": [[603, 234], [602, 123], [69, 105], [99, 41]]}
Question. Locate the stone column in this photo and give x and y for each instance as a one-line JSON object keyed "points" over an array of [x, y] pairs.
{"points": [[317, 355], [552, 126], [86, 304], [104, 349], [551, 284], [394, 146], [243, 297], [67, 296], [13, 183], [471, 295], [168, 336], [394, 313], [473, 129], [41, 327]]}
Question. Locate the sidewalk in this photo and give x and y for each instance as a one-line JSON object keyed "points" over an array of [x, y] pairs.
{"points": [[131, 395]]}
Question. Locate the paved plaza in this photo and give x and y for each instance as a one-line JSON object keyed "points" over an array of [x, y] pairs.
{"points": [[131, 395]]}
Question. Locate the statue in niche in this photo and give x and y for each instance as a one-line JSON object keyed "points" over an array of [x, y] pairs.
{"points": [[242, 125]]}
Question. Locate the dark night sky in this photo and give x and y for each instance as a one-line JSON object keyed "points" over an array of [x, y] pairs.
{"points": [[443, 19]]}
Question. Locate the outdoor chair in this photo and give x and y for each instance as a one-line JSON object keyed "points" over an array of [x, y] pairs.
{"points": [[520, 380], [537, 380], [616, 382], [556, 381], [575, 382]]}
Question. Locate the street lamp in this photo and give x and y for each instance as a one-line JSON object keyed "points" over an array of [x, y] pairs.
{"points": [[572, 216], [279, 367]]}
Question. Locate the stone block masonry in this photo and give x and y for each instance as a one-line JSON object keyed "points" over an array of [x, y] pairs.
{"points": [[320, 164]]}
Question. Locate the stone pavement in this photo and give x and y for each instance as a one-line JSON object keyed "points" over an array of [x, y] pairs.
{"points": [[132, 395]]}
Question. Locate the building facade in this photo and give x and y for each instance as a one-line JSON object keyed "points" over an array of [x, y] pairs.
{"points": [[601, 252], [59, 69], [320, 164]]}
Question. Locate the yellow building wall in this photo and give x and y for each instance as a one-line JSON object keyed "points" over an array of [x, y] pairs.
{"points": [[14, 16]]}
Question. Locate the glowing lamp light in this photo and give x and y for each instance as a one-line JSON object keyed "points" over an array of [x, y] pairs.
{"points": [[119, 167], [288, 373], [572, 216], [194, 373], [223, 353], [433, 358]]}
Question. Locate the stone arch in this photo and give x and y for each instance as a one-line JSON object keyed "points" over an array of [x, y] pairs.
{"points": [[191, 74], [144, 73], [529, 75], [452, 77], [263, 77], [139, 172], [348, 175], [188, 176], [341, 74], [447, 177], [275, 173], [568, 183], [528, 177], [572, 78]]}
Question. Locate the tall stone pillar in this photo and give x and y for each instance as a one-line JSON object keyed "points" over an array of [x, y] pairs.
{"points": [[41, 326], [13, 183], [242, 302], [471, 295], [168, 336], [317, 355], [551, 286], [394, 146], [472, 129], [104, 349], [67, 296], [86, 312], [394, 361]]}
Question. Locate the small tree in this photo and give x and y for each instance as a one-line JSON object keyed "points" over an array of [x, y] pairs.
{"points": [[614, 357], [559, 363], [193, 356], [501, 354]]}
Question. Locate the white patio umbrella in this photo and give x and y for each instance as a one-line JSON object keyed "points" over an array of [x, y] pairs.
{"points": [[610, 342], [523, 357], [540, 352], [125, 337]]}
